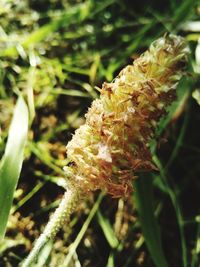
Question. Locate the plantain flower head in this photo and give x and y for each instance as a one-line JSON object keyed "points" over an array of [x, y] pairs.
{"points": [[112, 146]]}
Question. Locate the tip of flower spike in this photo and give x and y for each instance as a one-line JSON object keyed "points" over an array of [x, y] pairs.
{"points": [[172, 40], [172, 45]]}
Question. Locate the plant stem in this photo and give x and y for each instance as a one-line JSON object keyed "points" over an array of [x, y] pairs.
{"points": [[59, 218]]}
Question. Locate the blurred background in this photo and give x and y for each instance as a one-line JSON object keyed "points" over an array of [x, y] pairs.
{"points": [[54, 53]]}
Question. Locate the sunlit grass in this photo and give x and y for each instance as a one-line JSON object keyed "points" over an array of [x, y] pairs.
{"points": [[11, 162]]}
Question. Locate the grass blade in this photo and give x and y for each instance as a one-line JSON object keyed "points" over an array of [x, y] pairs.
{"points": [[11, 162], [150, 229], [107, 230], [111, 260], [74, 245], [180, 220], [183, 12]]}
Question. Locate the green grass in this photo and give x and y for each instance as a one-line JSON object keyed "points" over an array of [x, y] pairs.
{"points": [[144, 204], [11, 163], [54, 54]]}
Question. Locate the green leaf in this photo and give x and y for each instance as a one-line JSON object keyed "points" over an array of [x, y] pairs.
{"points": [[108, 230], [11, 162], [184, 11], [173, 196], [110, 262], [74, 245], [144, 203]]}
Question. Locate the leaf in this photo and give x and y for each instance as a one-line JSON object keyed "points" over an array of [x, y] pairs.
{"points": [[144, 203], [184, 11], [11, 162], [74, 245], [173, 197], [196, 96], [107, 230], [110, 262]]}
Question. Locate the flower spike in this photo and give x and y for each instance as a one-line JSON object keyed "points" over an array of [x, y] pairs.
{"points": [[107, 151]]}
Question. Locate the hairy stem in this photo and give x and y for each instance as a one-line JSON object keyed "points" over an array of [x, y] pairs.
{"points": [[60, 217]]}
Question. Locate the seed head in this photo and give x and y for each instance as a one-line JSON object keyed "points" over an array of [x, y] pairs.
{"points": [[112, 146]]}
